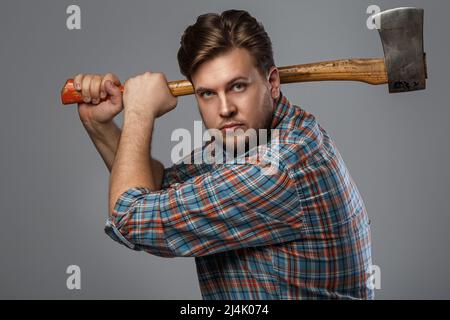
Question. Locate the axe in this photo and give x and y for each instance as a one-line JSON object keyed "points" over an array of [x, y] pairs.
{"points": [[403, 67]]}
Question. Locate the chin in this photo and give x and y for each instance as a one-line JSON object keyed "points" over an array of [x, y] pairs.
{"points": [[232, 144]]}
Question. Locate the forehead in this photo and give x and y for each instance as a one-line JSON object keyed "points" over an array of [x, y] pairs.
{"points": [[221, 69]]}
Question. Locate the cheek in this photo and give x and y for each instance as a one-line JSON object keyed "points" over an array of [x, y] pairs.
{"points": [[251, 102], [259, 107], [209, 116], [264, 114]]}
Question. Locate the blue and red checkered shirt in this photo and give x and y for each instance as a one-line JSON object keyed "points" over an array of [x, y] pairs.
{"points": [[299, 233]]}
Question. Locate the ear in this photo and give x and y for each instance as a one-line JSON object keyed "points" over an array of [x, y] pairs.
{"points": [[273, 78]]}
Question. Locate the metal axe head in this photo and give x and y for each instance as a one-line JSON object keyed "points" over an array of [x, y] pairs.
{"points": [[401, 32]]}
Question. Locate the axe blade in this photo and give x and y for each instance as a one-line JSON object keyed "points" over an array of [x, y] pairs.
{"points": [[401, 32]]}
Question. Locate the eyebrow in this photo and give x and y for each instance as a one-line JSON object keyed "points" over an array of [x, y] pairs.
{"points": [[202, 89]]}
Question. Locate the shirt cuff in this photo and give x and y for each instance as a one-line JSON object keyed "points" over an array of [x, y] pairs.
{"points": [[119, 217], [114, 233]]}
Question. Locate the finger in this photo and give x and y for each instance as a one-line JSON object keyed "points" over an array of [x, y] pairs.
{"points": [[77, 81], [110, 77], [94, 88], [113, 91], [85, 88]]}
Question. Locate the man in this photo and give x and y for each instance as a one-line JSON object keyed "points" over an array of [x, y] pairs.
{"points": [[301, 232]]}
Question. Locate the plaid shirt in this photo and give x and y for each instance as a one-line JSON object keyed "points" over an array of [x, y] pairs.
{"points": [[300, 233]]}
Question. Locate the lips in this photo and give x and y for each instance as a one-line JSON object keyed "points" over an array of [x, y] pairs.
{"points": [[231, 127]]}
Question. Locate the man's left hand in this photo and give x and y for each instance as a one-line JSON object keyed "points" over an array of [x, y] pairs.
{"points": [[148, 96]]}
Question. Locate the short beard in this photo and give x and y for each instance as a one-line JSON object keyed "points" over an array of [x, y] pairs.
{"points": [[267, 123]]}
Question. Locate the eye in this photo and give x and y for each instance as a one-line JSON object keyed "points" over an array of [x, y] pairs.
{"points": [[239, 87], [206, 94]]}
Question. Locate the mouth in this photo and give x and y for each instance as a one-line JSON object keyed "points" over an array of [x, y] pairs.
{"points": [[230, 128]]}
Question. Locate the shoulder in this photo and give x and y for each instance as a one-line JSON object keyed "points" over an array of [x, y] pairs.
{"points": [[301, 137]]}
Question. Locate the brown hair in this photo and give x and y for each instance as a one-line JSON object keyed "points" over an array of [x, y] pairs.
{"points": [[215, 34]]}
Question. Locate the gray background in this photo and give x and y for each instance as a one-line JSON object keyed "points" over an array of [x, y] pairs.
{"points": [[54, 185]]}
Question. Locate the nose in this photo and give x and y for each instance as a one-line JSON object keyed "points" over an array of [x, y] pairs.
{"points": [[227, 107]]}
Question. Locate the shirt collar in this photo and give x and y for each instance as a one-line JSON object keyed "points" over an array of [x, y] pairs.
{"points": [[282, 108]]}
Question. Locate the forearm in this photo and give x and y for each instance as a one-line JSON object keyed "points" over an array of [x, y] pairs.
{"points": [[106, 137], [131, 166]]}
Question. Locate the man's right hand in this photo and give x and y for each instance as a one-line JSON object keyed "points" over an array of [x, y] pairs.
{"points": [[97, 117], [94, 89]]}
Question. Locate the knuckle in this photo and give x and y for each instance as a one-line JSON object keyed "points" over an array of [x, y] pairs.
{"points": [[85, 85], [93, 82], [77, 81], [110, 76], [95, 86], [161, 76], [98, 80], [86, 80]]}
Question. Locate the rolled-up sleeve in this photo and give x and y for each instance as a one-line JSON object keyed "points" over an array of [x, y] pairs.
{"points": [[231, 207]]}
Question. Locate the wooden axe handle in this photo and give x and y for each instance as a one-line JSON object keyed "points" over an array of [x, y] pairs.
{"points": [[372, 71]]}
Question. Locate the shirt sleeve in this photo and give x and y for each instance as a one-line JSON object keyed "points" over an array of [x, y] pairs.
{"points": [[231, 207], [186, 169], [179, 173]]}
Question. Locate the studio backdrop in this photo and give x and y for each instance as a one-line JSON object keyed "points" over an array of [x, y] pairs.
{"points": [[54, 185]]}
